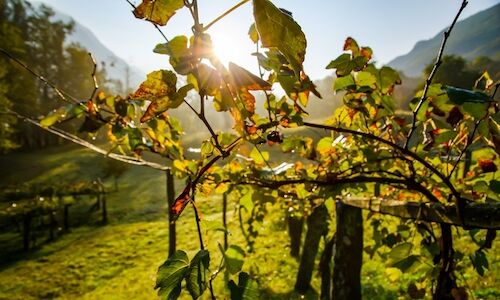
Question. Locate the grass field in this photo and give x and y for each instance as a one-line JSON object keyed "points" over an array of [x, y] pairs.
{"points": [[120, 260]]}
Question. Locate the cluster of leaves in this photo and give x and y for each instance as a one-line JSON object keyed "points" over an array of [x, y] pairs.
{"points": [[414, 157]]}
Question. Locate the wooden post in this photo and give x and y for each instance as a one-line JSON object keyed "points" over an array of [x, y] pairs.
{"points": [[52, 223], [348, 253], [66, 217], [295, 227], [316, 228], [171, 223], [26, 231], [104, 209], [325, 268]]}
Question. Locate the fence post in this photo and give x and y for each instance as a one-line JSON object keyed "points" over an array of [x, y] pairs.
{"points": [[104, 210], [26, 231], [348, 255], [295, 226], [171, 223], [316, 228]]}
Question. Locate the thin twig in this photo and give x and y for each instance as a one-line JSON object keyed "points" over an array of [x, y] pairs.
{"points": [[77, 140], [225, 14], [152, 23], [66, 98], [404, 151], [433, 72], [93, 75]]}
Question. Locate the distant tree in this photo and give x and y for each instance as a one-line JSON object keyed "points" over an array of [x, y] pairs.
{"points": [[12, 79], [454, 71], [33, 36], [484, 63]]}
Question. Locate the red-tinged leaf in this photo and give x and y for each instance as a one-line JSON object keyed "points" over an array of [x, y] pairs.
{"points": [[242, 78], [351, 45], [459, 293], [181, 201], [367, 52], [454, 116], [487, 165], [251, 129], [400, 121], [249, 101], [157, 11], [437, 193], [91, 108]]}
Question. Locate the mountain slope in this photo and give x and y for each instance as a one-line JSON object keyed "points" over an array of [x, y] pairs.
{"points": [[117, 68], [478, 35]]}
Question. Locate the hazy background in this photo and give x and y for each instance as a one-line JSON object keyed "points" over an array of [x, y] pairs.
{"points": [[390, 27]]}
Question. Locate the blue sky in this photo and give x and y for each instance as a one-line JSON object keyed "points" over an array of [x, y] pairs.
{"points": [[390, 27]]}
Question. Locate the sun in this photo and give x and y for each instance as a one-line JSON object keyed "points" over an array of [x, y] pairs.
{"points": [[230, 47]]}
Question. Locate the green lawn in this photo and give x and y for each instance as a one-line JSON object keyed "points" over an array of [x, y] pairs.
{"points": [[119, 260]]}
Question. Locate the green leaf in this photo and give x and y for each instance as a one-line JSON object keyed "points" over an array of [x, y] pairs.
{"points": [[196, 280], [364, 78], [160, 89], [158, 84], [343, 64], [234, 258], [460, 96], [407, 264], [495, 186], [399, 257], [479, 261], [324, 145], [343, 83], [207, 148], [278, 29], [246, 289], [259, 157], [90, 124], [61, 114], [171, 274], [181, 57], [246, 201], [158, 11], [253, 34], [388, 78], [477, 110]]}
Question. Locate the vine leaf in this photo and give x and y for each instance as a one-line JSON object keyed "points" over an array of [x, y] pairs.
{"points": [[171, 274], [243, 78], [181, 201], [158, 11], [234, 259], [461, 96], [196, 279], [181, 57], [479, 261], [399, 257], [61, 114], [277, 29], [246, 289], [160, 89], [245, 81]]}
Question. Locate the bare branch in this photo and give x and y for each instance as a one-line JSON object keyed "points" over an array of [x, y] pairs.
{"points": [[77, 140], [433, 72], [224, 14], [400, 149], [93, 75]]}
